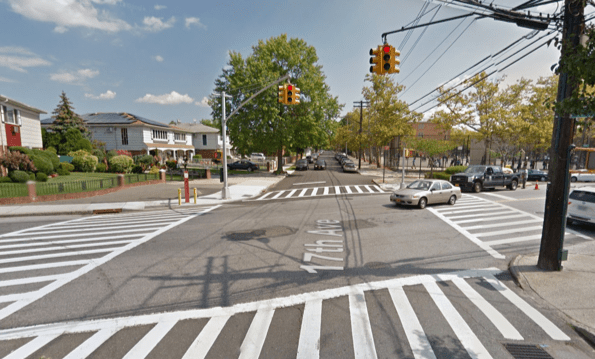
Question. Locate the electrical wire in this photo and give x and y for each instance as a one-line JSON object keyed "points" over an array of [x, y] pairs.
{"points": [[415, 21], [419, 38]]}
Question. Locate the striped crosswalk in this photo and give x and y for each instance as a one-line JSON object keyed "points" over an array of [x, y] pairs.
{"points": [[52, 255], [205, 328], [319, 191], [491, 224]]}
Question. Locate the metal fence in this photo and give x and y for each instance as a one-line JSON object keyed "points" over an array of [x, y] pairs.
{"points": [[44, 188], [140, 177], [10, 190]]}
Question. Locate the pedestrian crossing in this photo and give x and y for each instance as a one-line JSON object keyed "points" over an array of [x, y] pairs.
{"points": [[319, 191], [490, 224], [261, 329], [36, 261]]}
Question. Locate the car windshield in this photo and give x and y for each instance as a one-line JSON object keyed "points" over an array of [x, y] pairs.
{"points": [[320, 162], [301, 162], [425, 185], [475, 169]]}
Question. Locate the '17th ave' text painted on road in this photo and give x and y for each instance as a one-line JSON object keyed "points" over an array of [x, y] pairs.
{"points": [[326, 227]]}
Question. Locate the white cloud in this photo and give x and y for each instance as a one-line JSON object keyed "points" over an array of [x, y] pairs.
{"points": [[155, 24], [66, 14], [194, 21], [160, 7], [18, 58], [104, 96], [172, 98], [4, 79], [203, 103], [158, 58], [74, 77]]}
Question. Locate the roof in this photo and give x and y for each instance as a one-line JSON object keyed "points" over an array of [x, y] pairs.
{"points": [[113, 118], [9, 101], [197, 128]]}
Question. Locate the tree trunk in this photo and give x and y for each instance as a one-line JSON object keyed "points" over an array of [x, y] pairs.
{"points": [[279, 162]]}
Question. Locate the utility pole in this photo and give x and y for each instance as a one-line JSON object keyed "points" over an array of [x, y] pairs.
{"points": [[361, 105], [551, 252], [225, 191]]}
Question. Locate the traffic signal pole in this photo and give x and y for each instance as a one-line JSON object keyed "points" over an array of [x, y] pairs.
{"points": [[551, 252]]}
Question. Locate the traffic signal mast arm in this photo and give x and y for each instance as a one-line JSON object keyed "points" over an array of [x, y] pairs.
{"points": [[256, 94]]}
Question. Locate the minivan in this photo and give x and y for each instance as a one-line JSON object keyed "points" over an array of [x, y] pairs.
{"points": [[581, 205]]}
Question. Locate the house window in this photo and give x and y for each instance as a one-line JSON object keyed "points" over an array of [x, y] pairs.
{"points": [[420, 126], [159, 135], [179, 137], [10, 115], [204, 140], [420, 135], [124, 136]]}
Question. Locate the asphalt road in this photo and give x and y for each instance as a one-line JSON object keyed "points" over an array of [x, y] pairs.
{"points": [[277, 277]]}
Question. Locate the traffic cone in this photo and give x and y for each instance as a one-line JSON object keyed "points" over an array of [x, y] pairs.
{"points": [[537, 184]]}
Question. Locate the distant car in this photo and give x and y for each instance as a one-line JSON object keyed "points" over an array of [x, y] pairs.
{"points": [[582, 176], [422, 192], [536, 175], [301, 165], [349, 167], [243, 165], [320, 165], [581, 205], [257, 156], [309, 159]]}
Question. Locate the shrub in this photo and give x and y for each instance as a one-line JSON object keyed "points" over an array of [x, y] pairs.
{"points": [[85, 163], [171, 164], [20, 149], [69, 167], [144, 160], [5, 179], [41, 177], [100, 154], [137, 169], [154, 170], [120, 163], [101, 167], [49, 157], [19, 176], [52, 150], [62, 172], [124, 153], [31, 176], [455, 169], [79, 153], [15, 161], [439, 175], [73, 140], [42, 164], [111, 153]]}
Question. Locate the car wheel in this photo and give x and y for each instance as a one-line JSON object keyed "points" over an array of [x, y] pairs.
{"points": [[422, 203], [477, 187], [573, 179], [513, 185], [249, 169], [452, 200], [542, 179]]}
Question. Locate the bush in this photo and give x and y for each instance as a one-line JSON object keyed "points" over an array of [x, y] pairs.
{"points": [[62, 172], [120, 163], [144, 160], [439, 175], [85, 163], [172, 165], [69, 167], [73, 140], [19, 176], [124, 153], [111, 153], [137, 169], [101, 167], [455, 169], [79, 153], [52, 150], [43, 164], [154, 170], [22, 150], [15, 161], [49, 157], [41, 177], [100, 154], [5, 179], [31, 176]]}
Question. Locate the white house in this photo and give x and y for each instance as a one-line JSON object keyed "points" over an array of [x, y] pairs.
{"points": [[206, 140], [124, 131], [20, 126]]}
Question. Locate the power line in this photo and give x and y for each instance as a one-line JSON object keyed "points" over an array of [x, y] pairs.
{"points": [[419, 38]]}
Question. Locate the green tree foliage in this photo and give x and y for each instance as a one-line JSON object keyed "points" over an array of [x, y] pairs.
{"points": [[14, 160], [264, 125], [65, 118], [120, 164], [433, 149]]}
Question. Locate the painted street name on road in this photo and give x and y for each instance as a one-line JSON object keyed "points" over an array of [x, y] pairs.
{"points": [[325, 227]]}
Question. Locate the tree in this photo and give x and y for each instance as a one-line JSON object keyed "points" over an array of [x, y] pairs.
{"points": [[210, 123], [65, 118], [431, 148], [264, 125]]}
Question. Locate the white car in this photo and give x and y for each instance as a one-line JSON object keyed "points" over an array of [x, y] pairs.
{"points": [[257, 156], [581, 205], [582, 176]]}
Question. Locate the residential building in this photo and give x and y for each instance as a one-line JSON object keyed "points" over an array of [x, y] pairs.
{"points": [[20, 126], [206, 140], [124, 131]]}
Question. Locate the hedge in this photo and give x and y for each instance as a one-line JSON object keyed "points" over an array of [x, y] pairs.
{"points": [[120, 163], [439, 175], [41, 177], [19, 176], [455, 169]]}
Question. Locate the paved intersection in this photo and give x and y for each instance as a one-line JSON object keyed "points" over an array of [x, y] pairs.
{"points": [[300, 193]]}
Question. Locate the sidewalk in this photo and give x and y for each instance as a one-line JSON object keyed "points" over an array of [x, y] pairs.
{"points": [[570, 291], [144, 197]]}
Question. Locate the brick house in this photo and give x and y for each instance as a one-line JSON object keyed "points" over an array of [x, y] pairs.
{"points": [[20, 126]]}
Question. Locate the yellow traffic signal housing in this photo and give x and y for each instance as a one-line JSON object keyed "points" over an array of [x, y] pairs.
{"points": [[289, 88], [377, 61], [283, 94], [296, 96], [392, 62]]}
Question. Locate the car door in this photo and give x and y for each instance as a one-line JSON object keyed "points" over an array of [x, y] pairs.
{"points": [[435, 193], [447, 191], [498, 176]]}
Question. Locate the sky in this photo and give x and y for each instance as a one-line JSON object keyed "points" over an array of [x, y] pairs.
{"points": [[160, 59]]}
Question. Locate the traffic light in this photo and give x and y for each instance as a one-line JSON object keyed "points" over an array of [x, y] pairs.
{"points": [[283, 94], [377, 61], [289, 90], [296, 96], [390, 59]]}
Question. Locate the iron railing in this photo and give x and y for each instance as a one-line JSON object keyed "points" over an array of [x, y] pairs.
{"points": [[45, 188], [10, 190]]}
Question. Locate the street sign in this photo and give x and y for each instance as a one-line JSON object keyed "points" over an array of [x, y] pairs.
{"points": [[386, 148]]}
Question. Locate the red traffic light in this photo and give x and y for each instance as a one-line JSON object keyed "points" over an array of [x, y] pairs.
{"points": [[289, 87], [386, 49]]}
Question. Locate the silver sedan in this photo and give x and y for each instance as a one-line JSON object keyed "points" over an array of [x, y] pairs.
{"points": [[423, 192]]}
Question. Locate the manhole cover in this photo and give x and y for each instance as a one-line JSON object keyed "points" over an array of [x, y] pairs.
{"points": [[527, 351], [376, 265], [270, 232]]}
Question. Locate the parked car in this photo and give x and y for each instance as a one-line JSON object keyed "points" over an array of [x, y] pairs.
{"points": [[243, 165], [301, 165], [349, 167], [309, 159], [257, 156], [536, 175], [478, 177], [423, 192], [581, 205], [320, 165], [582, 176]]}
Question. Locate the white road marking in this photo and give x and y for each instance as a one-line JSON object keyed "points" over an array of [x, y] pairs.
{"points": [[507, 231], [418, 341], [31, 347], [359, 190], [303, 192], [297, 184], [91, 344], [513, 240], [148, 229], [552, 330], [265, 196], [62, 248], [470, 209], [483, 214], [337, 190], [150, 340], [278, 195], [44, 266], [204, 341], [347, 189], [361, 329], [291, 193], [499, 225], [469, 341], [49, 243], [103, 224], [325, 191], [21, 281], [56, 255], [309, 344], [257, 333], [369, 189], [314, 190], [488, 219], [379, 189], [500, 196]]}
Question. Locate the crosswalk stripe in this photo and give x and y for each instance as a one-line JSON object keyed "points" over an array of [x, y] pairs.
{"points": [[418, 341], [31, 347], [503, 325], [361, 330], [471, 209], [499, 225], [347, 189], [552, 330], [291, 193], [378, 189], [303, 192], [44, 266], [309, 344], [93, 224], [278, 195], [62, 248], [119, 218], [314, 190], [507, 231], [148, 229], [91, 344], [359, 190], [482, 214], [488, 219], [469, 341], [8, 298], [265, 196], [447, 210], [49, 243], [499, 242], [254, 340], [325, 191], [337, 190], [369, 189], [21, 281], [56, 255], [204, 341], [150, 340]]}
